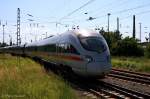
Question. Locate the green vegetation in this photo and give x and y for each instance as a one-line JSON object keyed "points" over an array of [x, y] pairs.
{"points": [[127, 53], [25, 79], [122, 46], [139, 64], [147, 51], [127, 47], [4, 44]]}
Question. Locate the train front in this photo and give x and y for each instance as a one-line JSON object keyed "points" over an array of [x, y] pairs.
{"points": [[96, 53]]}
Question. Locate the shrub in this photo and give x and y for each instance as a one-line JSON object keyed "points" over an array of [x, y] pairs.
{"points": [[122, 47], [127, 47], [147, 51]]}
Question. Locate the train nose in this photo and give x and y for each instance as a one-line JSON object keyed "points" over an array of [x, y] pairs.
{"points": [[98, 68]]}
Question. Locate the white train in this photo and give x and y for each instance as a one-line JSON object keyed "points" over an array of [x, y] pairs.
{"points": [[84, 51]]}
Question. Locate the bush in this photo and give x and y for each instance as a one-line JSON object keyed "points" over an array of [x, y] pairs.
{"points": [[127, 47], [111, 38], [122, 47], [147, 51]]}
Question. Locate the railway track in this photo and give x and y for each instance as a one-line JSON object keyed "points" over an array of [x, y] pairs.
{"points": [[131, 76], [106, 90]]}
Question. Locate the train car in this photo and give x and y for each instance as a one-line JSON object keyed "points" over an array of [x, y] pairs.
{"points": [[84, 51]]}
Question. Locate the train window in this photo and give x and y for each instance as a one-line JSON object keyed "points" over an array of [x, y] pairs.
{"points": [[58, 48], [73, 50], [41, 48], [31, 48], [67, 48], [48, 48], [61, 48], [93, 44], [53, 48]]}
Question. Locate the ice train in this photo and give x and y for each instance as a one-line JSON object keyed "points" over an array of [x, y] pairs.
{"points": [[84, 51]]}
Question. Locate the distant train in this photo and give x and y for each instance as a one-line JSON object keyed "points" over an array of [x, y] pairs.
{"points": [[84, 51]]}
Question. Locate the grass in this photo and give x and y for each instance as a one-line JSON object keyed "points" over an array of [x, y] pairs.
{"points": [[25, 79], [138, 64]]}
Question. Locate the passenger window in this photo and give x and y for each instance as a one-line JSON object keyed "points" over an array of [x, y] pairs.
{"points": [[50, 48], [65, 48], [62, 47], [73, 50]]}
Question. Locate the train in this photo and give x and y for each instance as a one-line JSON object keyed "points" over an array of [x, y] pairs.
{"points": [[85, 51]]}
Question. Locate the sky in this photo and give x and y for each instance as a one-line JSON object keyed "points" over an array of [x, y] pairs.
{"points": [[53, 17]]}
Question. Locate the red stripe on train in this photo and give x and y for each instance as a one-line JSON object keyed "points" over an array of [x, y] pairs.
{"points": [[75, 58]]}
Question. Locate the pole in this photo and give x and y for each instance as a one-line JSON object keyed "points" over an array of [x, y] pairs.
{"points": [[134, 26], [10, 40], [46, 34], [149, 37], [18, 27], [3, 34], [117, 24], [140, 31], [118, 32], [108, 21]]}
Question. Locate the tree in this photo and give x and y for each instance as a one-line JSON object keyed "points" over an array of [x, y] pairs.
{"points": [[147, 51], [111, 37], [128, 47], [3, 44], [122, 47]]}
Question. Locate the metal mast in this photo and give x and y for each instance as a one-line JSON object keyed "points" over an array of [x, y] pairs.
{"points": [[18, 27], [134, 26], [117, 24], [140, 32], [108, 21], [3, 35]]}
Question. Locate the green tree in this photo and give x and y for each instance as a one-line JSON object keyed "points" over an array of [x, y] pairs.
{"points": [[122, 47], [127, 47], [3, 44], [147, 51], [112, 38]]}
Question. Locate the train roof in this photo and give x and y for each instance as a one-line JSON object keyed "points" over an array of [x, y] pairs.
{"points": [[8, 47], [86, 33], [65, 36]]}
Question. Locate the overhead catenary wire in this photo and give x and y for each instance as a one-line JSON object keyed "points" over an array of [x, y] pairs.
{"points": [[69, 14], [125, 10], [121, 11], [111, 4], [139, 13], [123, 18], [137, 7]]}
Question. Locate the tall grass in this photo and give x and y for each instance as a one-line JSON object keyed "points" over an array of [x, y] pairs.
{"points": [[139, 64], [25, 79]]}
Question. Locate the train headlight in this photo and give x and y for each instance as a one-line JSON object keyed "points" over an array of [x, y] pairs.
{"points": [[88, 58]]}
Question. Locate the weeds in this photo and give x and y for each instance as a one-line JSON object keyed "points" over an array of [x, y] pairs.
{"points": [[139, 64], [28, 80]]}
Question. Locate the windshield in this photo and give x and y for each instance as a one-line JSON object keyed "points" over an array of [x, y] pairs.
{"points": [[96, 44]]}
